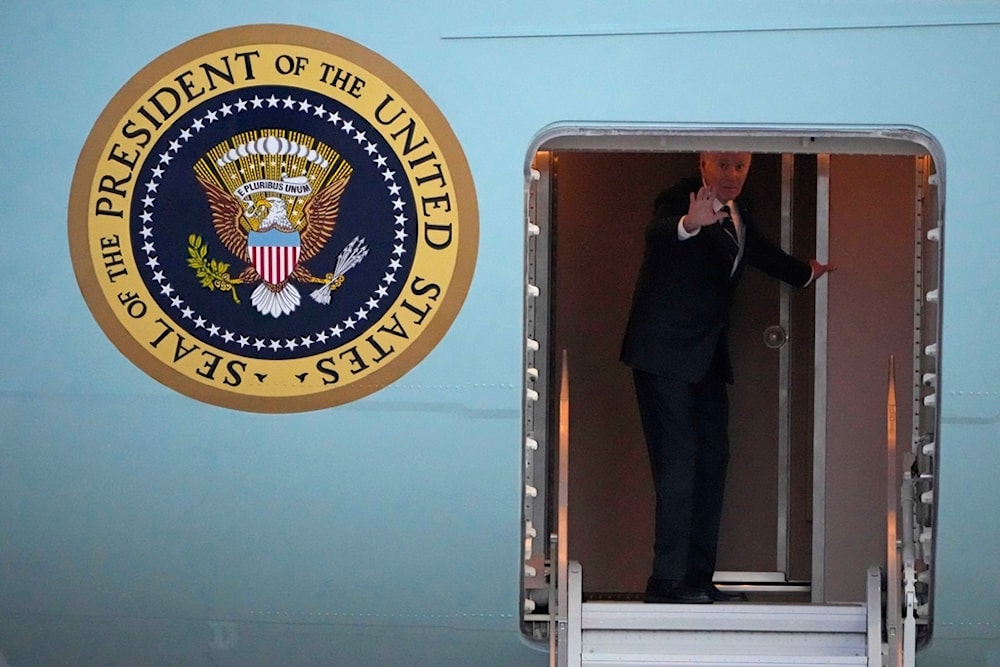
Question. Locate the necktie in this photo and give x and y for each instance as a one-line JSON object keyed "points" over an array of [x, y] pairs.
{"points": [[730, 229]]}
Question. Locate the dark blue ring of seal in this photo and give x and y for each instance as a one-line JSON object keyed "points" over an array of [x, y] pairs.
{"points": [[170, 205]]}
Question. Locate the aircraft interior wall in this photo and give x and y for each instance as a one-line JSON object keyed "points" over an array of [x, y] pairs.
{"points": [[601, 203]]}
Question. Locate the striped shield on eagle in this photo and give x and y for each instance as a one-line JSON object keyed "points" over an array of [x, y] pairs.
{"points": [[274, 254]]}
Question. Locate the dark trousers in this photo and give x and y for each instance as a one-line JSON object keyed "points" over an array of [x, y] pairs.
{"points": [[686, 427]]}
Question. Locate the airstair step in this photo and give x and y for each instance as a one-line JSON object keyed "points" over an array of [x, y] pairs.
{"points": [[721, 661], [728, 635], [848, 618]]}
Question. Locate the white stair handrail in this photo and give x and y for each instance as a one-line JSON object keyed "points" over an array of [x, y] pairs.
{"points": [[574, 615], [909, 639], [893, 612], [562, 638], [874, 600], [901, 599]]}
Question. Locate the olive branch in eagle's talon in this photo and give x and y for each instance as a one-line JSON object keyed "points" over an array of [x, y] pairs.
{"points": [[212, 273]]}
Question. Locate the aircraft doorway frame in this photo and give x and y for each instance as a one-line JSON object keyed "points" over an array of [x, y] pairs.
{"points": [[541, 387]]}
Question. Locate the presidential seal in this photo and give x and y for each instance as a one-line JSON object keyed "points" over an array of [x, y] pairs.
{"points": [[273, 219]]}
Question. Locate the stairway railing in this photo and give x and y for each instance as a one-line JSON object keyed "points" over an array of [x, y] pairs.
{"points": [[901, 567]]}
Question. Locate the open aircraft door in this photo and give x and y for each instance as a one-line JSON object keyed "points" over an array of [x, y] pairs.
{"points": [[807, 484]]}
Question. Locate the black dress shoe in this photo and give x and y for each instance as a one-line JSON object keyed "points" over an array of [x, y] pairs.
{"points": [[667, 592], [716, 595]]}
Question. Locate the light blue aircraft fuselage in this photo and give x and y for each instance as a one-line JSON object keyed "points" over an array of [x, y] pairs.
{"points": [[141, 526]]}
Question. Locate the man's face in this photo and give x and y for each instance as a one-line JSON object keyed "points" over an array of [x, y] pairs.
{"points": [[726, 172]]}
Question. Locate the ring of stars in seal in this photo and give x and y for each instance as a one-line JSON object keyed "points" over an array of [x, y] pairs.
{"points": [[248, 342]]}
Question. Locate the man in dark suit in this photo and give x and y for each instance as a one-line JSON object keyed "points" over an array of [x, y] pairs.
{"points": [[697, 245]]}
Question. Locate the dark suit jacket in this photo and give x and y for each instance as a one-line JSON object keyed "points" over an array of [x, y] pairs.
{"points": [[680, 307]]}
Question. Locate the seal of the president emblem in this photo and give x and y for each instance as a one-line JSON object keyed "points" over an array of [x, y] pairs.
{"points": [[273, 219]]}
